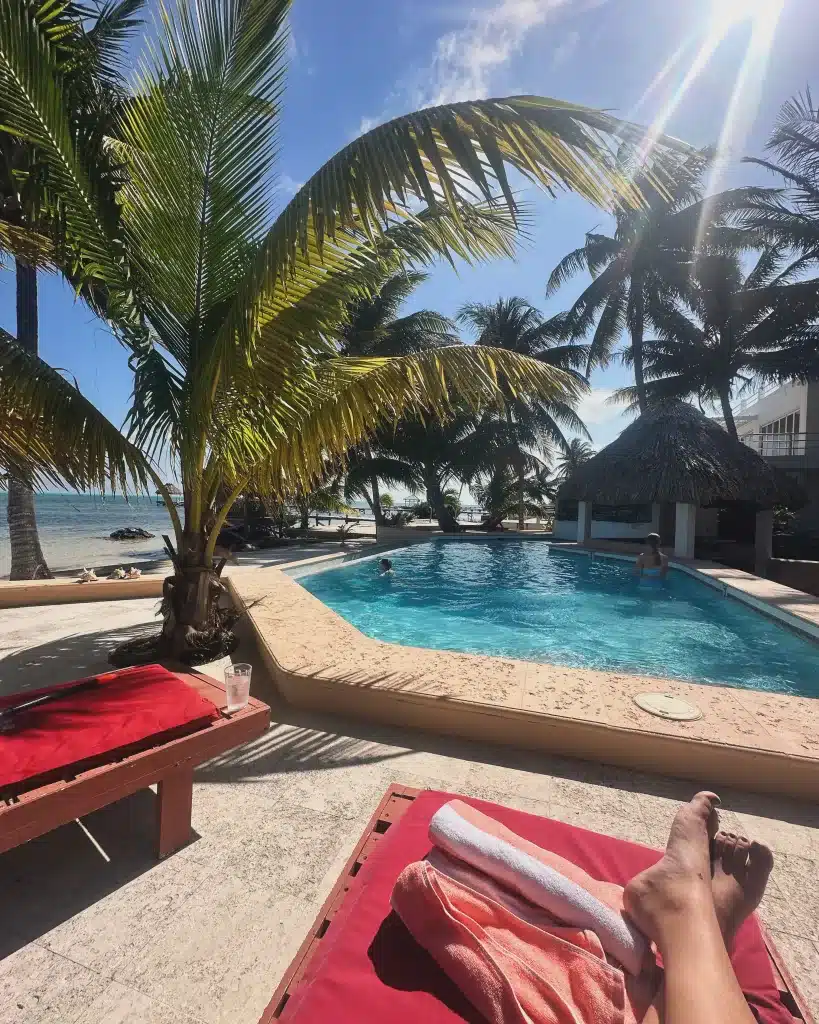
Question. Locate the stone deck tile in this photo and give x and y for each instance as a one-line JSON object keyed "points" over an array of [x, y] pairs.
{"points": [[203, 937]]}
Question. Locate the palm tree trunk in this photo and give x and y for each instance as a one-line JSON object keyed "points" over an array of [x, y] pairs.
{"points": [[375, 504], [637, 329], [728, 413], [27, 559], [193, 622], [443, 513], [521, 475]]}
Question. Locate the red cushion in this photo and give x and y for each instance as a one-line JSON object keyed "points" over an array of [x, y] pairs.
{"points": [[130, 707], [368, 967]]}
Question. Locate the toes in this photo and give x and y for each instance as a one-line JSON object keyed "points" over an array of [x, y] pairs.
{"points": [[760, 862], [727, 848], [741, 851], [704, 805]]}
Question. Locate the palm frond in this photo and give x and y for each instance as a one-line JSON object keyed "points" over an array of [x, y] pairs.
{"points": [[349, 398], [573, 263], [114, 24], [200, 138], [34, 108], [49, 432]]}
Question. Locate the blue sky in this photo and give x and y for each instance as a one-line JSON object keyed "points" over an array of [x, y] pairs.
{"points": [[362, 61]]}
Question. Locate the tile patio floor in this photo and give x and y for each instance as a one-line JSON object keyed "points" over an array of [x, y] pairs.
{"points": [[205, 935]]}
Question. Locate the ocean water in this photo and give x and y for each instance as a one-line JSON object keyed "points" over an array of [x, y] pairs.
{"points": [[74, 530], [529, 601]]}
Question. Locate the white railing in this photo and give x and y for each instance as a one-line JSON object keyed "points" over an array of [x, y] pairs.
{"points": [[773, 445], [756, 396]]}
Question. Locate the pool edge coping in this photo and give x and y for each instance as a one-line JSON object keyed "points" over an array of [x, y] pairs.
{"points": [[765, 759]]}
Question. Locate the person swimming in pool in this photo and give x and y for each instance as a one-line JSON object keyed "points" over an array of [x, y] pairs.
{"points": [[652, 564], [385, 567]]}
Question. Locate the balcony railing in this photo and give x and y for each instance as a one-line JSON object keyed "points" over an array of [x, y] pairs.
{"points": [[756, 396], [776, 445]]}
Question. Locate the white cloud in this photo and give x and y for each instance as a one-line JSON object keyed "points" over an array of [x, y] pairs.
{"points": [[466, 60], [603, 421], [367, 124], [469, 62], [288, 186], [565, 49]]}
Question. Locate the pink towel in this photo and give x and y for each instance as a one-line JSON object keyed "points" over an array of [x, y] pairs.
{"points": [[511, 970], [559, 887]]}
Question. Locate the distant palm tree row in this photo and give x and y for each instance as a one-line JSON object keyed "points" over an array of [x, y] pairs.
{"points": [[506, 448], [679, 268]]}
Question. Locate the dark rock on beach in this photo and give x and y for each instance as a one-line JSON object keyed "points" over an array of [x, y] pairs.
{"points": [[131, 533]]}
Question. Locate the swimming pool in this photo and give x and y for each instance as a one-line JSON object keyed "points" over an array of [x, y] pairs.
{"points": [[528, 600]]}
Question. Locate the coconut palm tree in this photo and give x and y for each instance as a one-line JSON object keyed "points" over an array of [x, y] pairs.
{"points": [[499, 494], [230, 304], [575, 454], [374, 328], [88, 46], [426, 456], [735, 327], [646, 261], [790, 215], [515, 325]]}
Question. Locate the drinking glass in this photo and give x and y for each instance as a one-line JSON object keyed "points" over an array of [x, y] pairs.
{"points": [[237, 685]]}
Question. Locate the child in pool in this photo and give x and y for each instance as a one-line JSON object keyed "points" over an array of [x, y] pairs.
{"points": [[385, 567]]}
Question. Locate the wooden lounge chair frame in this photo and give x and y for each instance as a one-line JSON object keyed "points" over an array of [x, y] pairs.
{"points": [[393, 806], [167, 761]]}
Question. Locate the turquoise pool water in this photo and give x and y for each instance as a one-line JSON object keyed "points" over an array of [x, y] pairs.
{"points": [[530, 601]]}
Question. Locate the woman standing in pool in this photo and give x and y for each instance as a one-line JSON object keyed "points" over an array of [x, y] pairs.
{"points": [[652, 564]]}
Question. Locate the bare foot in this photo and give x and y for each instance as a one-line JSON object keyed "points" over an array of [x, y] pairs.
{"points": [[740, 870], [681, 881]]}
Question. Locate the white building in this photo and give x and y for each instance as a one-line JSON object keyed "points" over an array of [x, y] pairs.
{"points": [[782, 424]]}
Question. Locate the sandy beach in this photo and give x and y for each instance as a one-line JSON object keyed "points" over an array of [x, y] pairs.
{"points": [[75, 533]]}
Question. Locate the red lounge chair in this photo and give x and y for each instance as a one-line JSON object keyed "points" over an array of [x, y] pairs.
{"points": [[359, 964], [139, 727]]}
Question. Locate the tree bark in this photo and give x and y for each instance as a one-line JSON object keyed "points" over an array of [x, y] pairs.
{"points": [[375, 504], [637, 331], [443, 513], [195, 628], [27, 559], [192, 617], [728, 413], [521, 478]]}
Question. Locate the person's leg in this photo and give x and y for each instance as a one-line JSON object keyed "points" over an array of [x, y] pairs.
{"points": [[674, 904]]}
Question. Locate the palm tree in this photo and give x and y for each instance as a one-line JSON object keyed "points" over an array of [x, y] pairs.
{"points": [[575, 454], [734, 328], [517, 326], [499, 494], [426, 457], [89, 50], [373, 328], [229, 311], [646, 261], [790, 216]]}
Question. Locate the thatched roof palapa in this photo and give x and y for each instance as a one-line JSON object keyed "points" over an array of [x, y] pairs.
{"points": [[675, 453]]}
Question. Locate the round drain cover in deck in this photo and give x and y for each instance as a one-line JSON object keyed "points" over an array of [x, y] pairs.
{"points": [[666, 705]]}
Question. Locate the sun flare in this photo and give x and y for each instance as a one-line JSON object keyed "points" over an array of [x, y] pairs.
{"points": [[762, 14]]}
